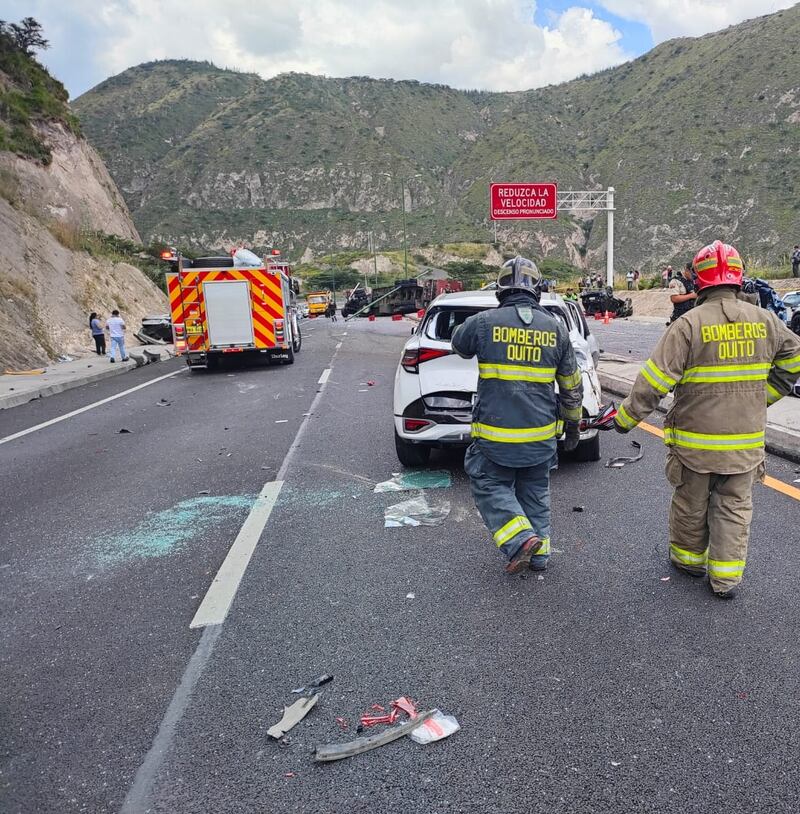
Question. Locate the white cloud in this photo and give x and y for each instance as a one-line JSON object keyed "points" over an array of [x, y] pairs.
{"points": [[680, 18], [491, 44]]}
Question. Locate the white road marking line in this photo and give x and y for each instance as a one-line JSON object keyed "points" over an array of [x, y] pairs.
{"points": [[139, 796], [324, 377], [217, 601], [64, 417]]}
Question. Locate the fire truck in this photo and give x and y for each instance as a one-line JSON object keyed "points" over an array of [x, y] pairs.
{"points": [[218, 308]]}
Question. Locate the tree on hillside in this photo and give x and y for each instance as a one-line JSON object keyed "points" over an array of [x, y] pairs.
{"points": [[26, 35]]}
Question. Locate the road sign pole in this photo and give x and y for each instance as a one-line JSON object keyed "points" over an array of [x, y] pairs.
{"points": [[610, 248]]}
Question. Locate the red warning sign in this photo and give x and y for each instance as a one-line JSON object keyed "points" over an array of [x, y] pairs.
{"points": [[523, 201]]}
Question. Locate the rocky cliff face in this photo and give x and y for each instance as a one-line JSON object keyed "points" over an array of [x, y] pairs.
{"points": [[48, 283], [700, 138]]}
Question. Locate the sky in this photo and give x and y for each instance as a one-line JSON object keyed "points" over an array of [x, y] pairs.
{"points": [[487, 44]]}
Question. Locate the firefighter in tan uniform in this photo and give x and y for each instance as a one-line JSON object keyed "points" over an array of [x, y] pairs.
{"points": [[726, 360]]}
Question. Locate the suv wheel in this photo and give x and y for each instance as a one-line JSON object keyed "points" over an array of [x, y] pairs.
{"points": [[588, 451], [411, 454]]}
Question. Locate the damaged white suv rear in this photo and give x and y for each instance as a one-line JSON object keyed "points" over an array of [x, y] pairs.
{"points": [[434, 388]]}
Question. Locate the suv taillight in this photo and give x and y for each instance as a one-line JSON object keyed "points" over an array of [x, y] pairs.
{"points": [[414, 357]]}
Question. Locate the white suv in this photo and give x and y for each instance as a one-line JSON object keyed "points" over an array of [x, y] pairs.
{"points": [[434, 387]]}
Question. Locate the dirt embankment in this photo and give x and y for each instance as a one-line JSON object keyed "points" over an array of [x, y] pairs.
{"points": [[48, 289], [654, 302]]}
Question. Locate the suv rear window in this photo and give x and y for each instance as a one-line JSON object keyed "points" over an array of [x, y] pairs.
{"points": [[443, 321]]}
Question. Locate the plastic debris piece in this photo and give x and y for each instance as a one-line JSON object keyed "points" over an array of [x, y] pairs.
{"points": [[665, 579], [289, 774], [315, 684], [373, 720], [292, 715], [378, 708], [577, 508], [409, 481], [123, 431], [615, 764], [338, 751], [370, 383], [411, 596], [618, 463], [435, 728], [282, 421], [415, 512], [204, 492], [405, 704], [343, 723]]}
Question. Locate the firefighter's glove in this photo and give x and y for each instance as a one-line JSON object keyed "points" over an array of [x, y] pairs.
{"points": [[619, 428], [572, 435]]}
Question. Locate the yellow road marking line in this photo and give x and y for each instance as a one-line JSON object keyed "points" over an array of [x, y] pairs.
{"points": [[773, 483]]}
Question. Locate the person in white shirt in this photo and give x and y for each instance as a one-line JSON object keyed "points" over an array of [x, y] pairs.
{"points": [[115, 326]]}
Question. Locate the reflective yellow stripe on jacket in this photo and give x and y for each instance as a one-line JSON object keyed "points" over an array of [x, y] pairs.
{"points": [[722, 443], [511, 530], [792, 364], [516, 435], [623, 419], [773, 395], [571, 381], [657, 378], [516, 373], [708, 374]]}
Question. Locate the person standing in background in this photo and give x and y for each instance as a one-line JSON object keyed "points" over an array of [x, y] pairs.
{"points": [[796, 261], [99, 337], [115, 326], [629, 280], [666, 276]]}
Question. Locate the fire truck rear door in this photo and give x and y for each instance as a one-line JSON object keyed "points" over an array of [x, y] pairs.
{"points": [[228, 313]]}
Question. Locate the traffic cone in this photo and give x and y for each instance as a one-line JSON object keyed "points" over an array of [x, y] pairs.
{"points": [[606, 319]]}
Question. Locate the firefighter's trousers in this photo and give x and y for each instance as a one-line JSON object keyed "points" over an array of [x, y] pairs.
{"points": [[709, 521], [514, 503]]}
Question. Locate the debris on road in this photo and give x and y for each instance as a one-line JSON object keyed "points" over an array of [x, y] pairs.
{"points": [[435, 728], [315, 684], [343, 722], [163, 403], [577, 508], [618, 463], [411, 596], [370, 383], [665, 579], [282, 421], [415, 512], [337, 751], [204, 492], [123, 431], [409, 481], [292, 715]]}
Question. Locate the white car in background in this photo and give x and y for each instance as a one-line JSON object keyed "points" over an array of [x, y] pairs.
{"points": [[434, 387]]}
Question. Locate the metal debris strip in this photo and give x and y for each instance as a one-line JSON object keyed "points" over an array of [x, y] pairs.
{"points": [[415, 512], [618, 463], [338, 751], [409, 481]]}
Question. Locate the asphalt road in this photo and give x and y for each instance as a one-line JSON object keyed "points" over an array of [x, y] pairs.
{"points": [[601, 687], [629, 338]]}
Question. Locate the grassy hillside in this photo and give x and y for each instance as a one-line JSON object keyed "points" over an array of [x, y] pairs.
{"points": [[699, 137], [28, 96]]}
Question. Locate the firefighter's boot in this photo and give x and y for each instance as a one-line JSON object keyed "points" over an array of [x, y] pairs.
{"points": [[522, 559]]}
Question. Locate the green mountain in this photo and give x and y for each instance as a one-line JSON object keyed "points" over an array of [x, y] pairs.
{"points": [[699, 137]]}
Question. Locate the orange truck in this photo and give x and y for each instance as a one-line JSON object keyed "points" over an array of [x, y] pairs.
{"points": [[218, 309]]}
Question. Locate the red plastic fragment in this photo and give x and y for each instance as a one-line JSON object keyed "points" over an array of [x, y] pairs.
{"points": [[405, 704]]}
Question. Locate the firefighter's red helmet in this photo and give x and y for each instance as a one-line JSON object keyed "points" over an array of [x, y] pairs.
{"points": [[718, 264]]}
